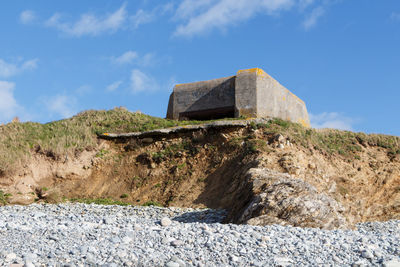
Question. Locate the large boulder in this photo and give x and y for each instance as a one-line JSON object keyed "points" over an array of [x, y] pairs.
{"points": [[279, 198]]}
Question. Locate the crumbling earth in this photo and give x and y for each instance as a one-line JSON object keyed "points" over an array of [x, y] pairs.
{"points": [[260, 177]]}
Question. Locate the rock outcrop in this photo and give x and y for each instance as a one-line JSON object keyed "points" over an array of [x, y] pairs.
{"points": [[279, 198]]}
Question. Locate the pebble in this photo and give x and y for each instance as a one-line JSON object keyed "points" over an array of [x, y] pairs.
{"points": [[98, 235], [172, 264], [165, 222], [391, 263]]}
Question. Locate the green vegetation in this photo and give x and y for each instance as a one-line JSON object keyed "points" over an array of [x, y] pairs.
{"points": [[100, 201], [70, 136], [171, 150], [59, 138], [4, 198], [329, 140], [102, 153], [124, 196]]}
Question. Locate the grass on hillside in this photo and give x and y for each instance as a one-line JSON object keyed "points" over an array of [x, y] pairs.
{"points": [[78, 133], [330, 140], [58, 138]]}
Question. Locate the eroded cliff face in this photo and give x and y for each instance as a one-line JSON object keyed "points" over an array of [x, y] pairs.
{"points": [[259, 176]]}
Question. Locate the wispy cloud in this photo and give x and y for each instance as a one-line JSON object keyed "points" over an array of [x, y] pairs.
{"points": [[141, 82], [126, 58], [208, 15], [114, 86], [395, 16], [8, 104], [62, 105], [90, 24], [312, 19], [132, 57], [142, 17], [146, 16], [11, 69], [199, 17], [332, 120], [27, 16], [83, 89]]}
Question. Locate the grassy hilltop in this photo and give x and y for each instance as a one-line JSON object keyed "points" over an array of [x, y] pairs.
{"points": [[68, 136]]}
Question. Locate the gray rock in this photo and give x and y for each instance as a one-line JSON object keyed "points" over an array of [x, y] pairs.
{"points": [[165, 222], [177, 243], [367, 254], [172, 264], [279, 198], [10, 256], [391, 263]]}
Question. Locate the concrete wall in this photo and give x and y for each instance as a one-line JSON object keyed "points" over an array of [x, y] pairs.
{"points": [[274, 100], [197, 97], [245, 94]]}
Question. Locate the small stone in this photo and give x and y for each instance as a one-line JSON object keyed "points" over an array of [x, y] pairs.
{"points": [[234, 258], [126, 239], [165, 222], [391, 263], [177, 243], [137, 227], [108, 220], [281, 146], [367, 254], [172, 264], [358, 263], [282, 261], [10, 256], [29, 264], [147, 140], [179, 261]]}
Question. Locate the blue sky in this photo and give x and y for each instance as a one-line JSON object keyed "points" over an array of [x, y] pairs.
{"points": [[341, 57]]}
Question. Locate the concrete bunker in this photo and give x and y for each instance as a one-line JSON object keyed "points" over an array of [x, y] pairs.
{"points": [[250, 93]]}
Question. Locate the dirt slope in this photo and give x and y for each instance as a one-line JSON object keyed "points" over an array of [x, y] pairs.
{"points": [[205, 168]]}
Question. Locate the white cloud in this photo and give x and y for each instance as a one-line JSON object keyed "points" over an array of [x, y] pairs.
{"points": [[395, 16], [129, 57], [331, 120], [312, 19], [27, 16], [305, 3], [141, 17], [62, 105], [126, 57], [83, 89], [141, 82], [148, 59], [90, 24], [11, 69], [114, 86], [144, 17], [30, 64], [203, 16], [8, 104]]}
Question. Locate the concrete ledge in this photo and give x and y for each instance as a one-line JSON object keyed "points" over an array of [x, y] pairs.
{"points": [[186, 128]]}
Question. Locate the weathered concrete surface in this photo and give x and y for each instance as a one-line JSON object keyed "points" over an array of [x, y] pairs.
{"points": [[274, 100], [251, 93], [192, 100], [187, 128]]}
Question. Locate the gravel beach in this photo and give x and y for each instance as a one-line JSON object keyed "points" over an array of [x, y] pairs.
{"points": [[94, 235]]}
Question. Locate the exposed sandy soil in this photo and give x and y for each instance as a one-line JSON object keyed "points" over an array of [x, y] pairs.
{"points": [[204, 169]]}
